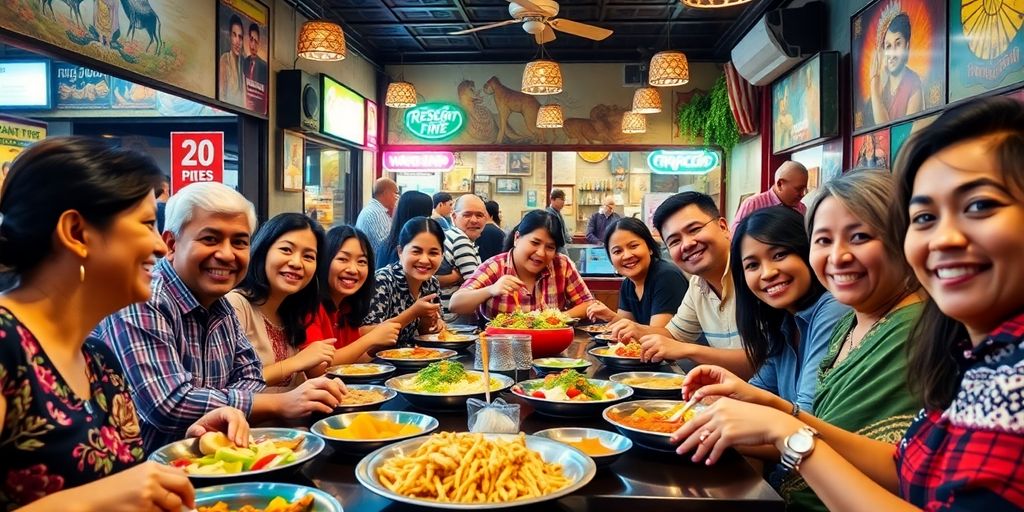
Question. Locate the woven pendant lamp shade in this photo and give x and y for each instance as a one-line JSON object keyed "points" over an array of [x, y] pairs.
{"points": [[646, 100], [550, 116], [400, 95], [713, 4], [322, 41], [634, 123], [542, 77], [669, 68]]}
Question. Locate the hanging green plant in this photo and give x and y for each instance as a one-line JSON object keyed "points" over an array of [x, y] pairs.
{"points": [[708, 116]]}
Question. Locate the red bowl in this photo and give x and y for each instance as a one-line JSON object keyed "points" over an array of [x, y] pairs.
{"points": [[544, 342]]}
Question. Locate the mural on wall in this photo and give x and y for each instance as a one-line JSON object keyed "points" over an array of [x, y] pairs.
{"points": [[483, 105], [985, 44], [167, 40], [898, 50], [871, 150], [243, 49]]}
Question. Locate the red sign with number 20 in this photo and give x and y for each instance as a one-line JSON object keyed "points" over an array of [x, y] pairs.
{"points": [[196, 157]]}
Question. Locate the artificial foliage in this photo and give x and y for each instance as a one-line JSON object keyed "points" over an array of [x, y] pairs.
{"points": [[709, 117]]}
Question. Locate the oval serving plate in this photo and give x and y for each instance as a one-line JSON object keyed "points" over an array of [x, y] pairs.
{"points": [[310, 447], [259, 494]]}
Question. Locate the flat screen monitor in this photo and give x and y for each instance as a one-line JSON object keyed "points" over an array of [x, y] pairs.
{"points": [[344, 112], [25, 84]]}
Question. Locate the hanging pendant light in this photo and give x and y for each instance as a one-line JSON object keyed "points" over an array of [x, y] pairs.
{"points": [[646, 100], [713, 4], [321, 41], [669, 68], [550, 116], [401, 94], [542, 76], [634, 123]]}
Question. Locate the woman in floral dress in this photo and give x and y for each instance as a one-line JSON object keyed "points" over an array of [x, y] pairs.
{"points": [[77, 233]]}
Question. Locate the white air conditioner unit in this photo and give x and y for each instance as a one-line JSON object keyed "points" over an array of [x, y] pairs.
{"points": [[778, 41]]}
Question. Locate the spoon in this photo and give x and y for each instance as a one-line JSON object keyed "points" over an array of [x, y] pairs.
{"points": [[686, 407], [488, 419]]}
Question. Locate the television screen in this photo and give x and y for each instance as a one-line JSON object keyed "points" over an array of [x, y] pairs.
{"points": [[344, 112], [25, 84]]}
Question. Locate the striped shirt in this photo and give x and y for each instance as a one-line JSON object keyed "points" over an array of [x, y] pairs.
{"points": [[459, 253], [181, 359], [756, 202], [374, 221], [558, 286], [702, 312]]}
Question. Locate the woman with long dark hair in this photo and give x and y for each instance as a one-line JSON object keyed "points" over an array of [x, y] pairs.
{"points": [[959, 205], [652, 289], [531, 270], [784, 315], [412, 203], [346, 292], [278, 296]]}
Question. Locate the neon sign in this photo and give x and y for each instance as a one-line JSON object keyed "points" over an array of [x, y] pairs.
{"points": [[435, 121], [682, 161], [424, 161]]}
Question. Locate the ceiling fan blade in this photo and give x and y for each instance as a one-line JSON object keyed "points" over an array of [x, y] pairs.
{"points": [[527, 4], [485, 27], [545, 36], [580, 29]]}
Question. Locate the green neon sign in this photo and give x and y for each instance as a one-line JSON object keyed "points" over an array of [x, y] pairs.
{"points": [[682, 161], [435, 121]]}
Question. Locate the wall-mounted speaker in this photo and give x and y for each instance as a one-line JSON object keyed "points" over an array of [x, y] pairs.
{"points": [[298, 100]]}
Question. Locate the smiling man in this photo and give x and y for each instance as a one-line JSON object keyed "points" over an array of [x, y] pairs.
{"points": [[184, 351], [460, 251], [697, 238]]}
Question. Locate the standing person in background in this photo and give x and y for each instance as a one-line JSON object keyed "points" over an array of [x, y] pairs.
{"points": [[375, 218], [490, 241], [460, 251], [413, 203], [443, 210], [605, 216], [162, 195], [789, 188], [555, 209]]}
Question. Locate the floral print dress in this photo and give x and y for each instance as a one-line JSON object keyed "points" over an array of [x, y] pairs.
{"points": [[52, 440]]}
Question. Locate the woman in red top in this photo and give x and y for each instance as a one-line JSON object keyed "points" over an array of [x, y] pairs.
{"points": [[346, 293], [960, 204]]}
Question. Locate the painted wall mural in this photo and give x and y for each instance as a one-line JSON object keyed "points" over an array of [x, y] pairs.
{"points": [[487, 102], [171, 41]]}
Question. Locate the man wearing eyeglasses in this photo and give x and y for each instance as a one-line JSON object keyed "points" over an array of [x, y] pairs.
{"points": [[697, 237]]}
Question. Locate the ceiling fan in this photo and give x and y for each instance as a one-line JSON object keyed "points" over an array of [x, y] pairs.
{"points": [[538, 18]]}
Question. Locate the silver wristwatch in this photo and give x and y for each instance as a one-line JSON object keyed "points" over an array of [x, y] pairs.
{"points": [[797, 446]]}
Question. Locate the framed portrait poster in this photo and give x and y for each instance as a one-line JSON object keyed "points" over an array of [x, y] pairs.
{"points": [[243, 50], [508, 186], [898, 55], [458, 179], [871, 150], [986, 40], [292, 161], [805, 103], [520, 164]]}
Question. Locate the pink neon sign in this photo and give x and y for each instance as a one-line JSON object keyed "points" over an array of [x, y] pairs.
{"points": [[436, 161]]}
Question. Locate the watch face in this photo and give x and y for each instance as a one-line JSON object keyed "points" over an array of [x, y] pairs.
{"points": [[800, 442]]}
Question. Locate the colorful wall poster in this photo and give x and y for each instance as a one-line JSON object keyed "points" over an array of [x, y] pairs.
{"points": [[293, 149], [16, 134], [831, 160], [805, 105], [811, 159], [243, 49], [871, 150], [900, 133], [985, 44], [898, 50], [130, 95], [79, 87]]}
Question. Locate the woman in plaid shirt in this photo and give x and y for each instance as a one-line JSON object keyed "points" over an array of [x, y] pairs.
{"points": [[531, 270], [960, 203]]}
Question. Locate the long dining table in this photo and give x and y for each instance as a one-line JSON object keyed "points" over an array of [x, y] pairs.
{"points": [[641, 478]]}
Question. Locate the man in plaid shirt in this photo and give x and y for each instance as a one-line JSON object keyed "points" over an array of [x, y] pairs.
{"points": [[184, 352]]}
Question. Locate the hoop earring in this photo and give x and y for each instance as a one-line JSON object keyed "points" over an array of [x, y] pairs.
{"points": [[81, 273]]}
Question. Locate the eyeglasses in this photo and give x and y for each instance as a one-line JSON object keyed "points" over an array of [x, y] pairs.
{"points": [[690, 233]]}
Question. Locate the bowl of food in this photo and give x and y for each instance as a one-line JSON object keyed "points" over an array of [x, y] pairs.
{"points": [[603, 338], [593, 329], [446, 339], [569, 394], [362, 373], [601, 445], [364, 397], [534, 470], [445, 385], [650, 423], [413, 358], [550, 330], [260, 496], [623, 356], [213, 456], [651, 384], [545, 365], [364, 432]]}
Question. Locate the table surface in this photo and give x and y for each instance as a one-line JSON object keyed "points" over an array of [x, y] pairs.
{"points": [[649, 479]]}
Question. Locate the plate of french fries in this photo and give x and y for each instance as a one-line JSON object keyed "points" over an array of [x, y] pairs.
{"points": [[466, 471]]}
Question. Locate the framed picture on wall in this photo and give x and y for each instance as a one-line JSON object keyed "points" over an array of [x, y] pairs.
{"points": [[481, 178], [292, 157], [508, 186], [871, 150], [811, 159], [243, 50], [458, 179], [492, 163], [520, 164], [639, 184], [531, 198], [898, 56], [831, 160], [984, 47], [805, 104], [483, 190], [619, 162], [899, 133]]}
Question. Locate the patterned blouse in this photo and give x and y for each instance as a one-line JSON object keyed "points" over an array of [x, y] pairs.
{"points": [[969, 457], [53, 440], [393, 296]]}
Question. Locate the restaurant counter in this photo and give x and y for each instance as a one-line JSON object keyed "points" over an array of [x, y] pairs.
{"points": [[640, 478]]}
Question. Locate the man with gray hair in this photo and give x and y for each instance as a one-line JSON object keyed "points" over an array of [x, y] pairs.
{"points": [[789, 188], [461, 255], [605, 216], [183, 351]]}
